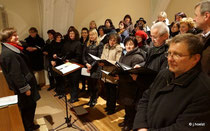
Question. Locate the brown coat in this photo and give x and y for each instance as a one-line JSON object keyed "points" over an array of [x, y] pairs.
{"points": [[112, 54]]}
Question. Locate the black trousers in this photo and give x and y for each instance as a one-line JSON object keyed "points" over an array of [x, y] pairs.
{"points": [[28, 114], [83, 79], [93, 87], [130, 112], [51, 76], [111, 95]]}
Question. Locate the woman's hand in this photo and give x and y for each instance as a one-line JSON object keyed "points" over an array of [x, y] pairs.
{"points": [[53, 63], [116, 77], [28, 92], [101, 64], [137, 66], [45, 53], [134, 76], [89, 67], [31, 49]]}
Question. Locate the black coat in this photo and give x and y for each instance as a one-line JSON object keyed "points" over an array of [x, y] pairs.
{"points": [[129, 91], [156, 59], [36, 57], [95, 50], [134, 57], [72, 51], [205, 60], [176, 104], [16, 69]]}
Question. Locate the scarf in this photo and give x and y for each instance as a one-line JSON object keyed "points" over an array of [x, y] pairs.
{"points": [[140, 44], [16, 45]]}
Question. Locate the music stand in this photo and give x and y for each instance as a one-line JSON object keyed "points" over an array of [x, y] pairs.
{"points": [[67, 119], [68, 116]]}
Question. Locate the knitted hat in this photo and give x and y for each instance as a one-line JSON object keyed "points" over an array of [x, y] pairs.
{"points": [[142, 34]]}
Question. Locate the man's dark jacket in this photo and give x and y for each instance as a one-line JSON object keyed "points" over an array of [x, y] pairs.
{"points": [[156, 59], [205, 61], [176, 104]]}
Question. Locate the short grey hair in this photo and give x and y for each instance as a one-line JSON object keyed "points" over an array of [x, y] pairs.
{"points": [[162, 28], [205, 6]]}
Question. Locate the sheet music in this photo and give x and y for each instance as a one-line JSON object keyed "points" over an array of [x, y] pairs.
{"points": [[84, 72], [9, 100], [123, 66], [67, 67], [94, 57], [126, 67], [105, 72]]}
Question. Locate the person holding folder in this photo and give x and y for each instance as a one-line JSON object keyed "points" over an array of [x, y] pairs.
{"points": [[129, 91], [94, 47], [111, 52]]}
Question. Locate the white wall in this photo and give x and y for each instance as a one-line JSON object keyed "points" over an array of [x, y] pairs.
{"points": [[186, 6], [100, 10], [23, 14]]}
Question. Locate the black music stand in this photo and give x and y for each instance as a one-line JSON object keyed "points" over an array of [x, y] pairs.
{"points": [[68, 116], [67, 120]]}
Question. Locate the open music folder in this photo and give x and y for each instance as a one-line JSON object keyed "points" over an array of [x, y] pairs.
{"points": [[67, 68], [124, 69], [99, 60]]}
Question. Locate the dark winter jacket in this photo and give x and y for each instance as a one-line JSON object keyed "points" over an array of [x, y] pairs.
{"points": [[56, 48], [205, 60], [72, 51], [176, 104], [136, 56], [156, 59], [36, 57], [19, 76], [129, 91], [95, 50]]}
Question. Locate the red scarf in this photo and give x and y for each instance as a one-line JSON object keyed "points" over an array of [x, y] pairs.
{"points": [[16, 45], [140, 44]]}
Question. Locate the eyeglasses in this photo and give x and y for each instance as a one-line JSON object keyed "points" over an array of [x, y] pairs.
{"points": [[175, 56], [156, 37]]}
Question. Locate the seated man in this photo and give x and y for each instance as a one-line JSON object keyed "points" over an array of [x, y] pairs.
{"points": [[179, 97]]}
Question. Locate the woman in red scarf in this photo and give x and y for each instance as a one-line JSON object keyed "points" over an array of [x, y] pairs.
{"points": [[19, 76]]}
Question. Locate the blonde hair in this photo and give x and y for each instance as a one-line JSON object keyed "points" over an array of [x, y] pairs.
{"points": [[94, 31], [92, 22], [189, 21]]}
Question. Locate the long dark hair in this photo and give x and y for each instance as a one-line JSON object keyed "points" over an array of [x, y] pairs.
{"points": [[128, 16], [111, 24], [73, 29]]}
